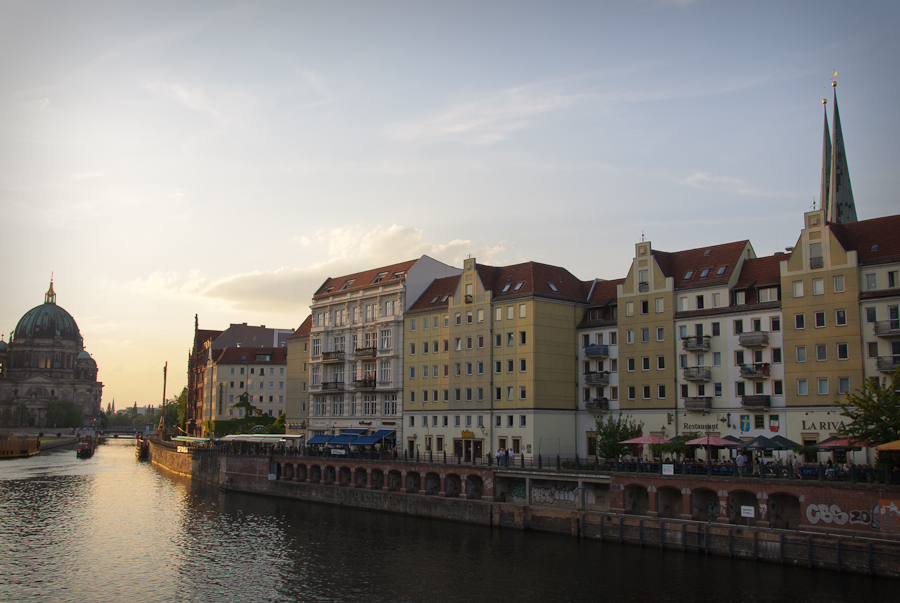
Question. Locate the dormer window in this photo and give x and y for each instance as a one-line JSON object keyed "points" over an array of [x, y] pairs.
{"points": [[435, 298], [706, 253], [328, 289], [553, 287], [721, 270], [506, 288], [380, 277], [704, 272], [688, 275], [347, 284], [518, 286], [397, 275], [443, 299]]}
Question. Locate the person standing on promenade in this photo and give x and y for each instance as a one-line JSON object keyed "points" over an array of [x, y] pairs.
{"points": [[740, 463]]}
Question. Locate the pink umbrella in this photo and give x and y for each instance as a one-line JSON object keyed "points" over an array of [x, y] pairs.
{"points": [[710, 441], [843, 443], [647, 439]]}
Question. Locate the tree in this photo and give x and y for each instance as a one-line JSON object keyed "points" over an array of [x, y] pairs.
{"points": [[613, 431], [874, 412], [249, 409], [278, 426], [62, 413], [181, 408]]}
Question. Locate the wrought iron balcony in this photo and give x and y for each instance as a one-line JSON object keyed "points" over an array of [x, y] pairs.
{"points": [[332, 385], [599, 378], [888, 328], [754, 339], [336, 356], [755, 401], [816, 262], [369, 352], [597, 404], [364, 383], [469, 299], [888, 364], [698, 404], [596, 351], [697, 373], [755, 371], [695, 343], [643, 287]]}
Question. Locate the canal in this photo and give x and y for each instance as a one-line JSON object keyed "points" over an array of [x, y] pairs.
{"points": [[111, 528]]}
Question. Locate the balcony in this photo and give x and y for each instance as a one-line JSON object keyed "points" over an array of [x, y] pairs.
{"points": [[887, 364], [698, 404], [695, 343], [596, 351], [597, 404], [469, 299], [369, 352], [336, 356], [755, 371], [598, 378], [754, 339], [888, 328], [755, 402], [697, 373], [332, 385], [364, 383], [643, 287]]}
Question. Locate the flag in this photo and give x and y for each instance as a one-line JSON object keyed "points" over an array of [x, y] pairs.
{"points": [[773, 422]]}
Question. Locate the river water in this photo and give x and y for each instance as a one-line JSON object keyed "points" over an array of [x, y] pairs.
{"points": [[111, 528]]}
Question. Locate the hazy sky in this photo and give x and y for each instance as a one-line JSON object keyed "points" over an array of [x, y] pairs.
{"points": [[171, 158]]}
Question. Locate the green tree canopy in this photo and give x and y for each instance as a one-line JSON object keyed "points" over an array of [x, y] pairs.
{"points": [[62, 413], [612, 431], [874, 412], [249, 409]]}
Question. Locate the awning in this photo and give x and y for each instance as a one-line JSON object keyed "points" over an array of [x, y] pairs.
{"points": [[374, 438], [343, 439], [353, 432], [319, 439], [190, 439]]}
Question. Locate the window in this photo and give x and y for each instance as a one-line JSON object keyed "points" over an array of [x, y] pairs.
{"points": [[839, 284], [509, 394], [480, 315], [659, 305], [704, 273], [613, 365], [738, 326], [768, 294], [498, 340], [630, 362], [801, 353], [613, 338], [688, 275], [457, 369], [870, 315], [840, 318], [716, 330], [522, 395], [468, 394], [446, 316], [775, 323], [700, 305], [521, 365], [645, 335], [497, 393], [660, 333], [661, 392], [468, 343], [468, 318], [818, 286], [424, 398], [434, 323], [645, 363], [717, 358], [509, 312], [823, 387], [716, 300], [456, 421], [872, 349], [480, 368], [660, 363], [893, 278], [820, 319], [776, 355], [629, 336], [684, 390], [629, 308], [521, 337], [683, 361], [498, 314], [458, 319], [412, 349], [412, 372], [645, 306], [740, 388], [821, 352], [799, 321], [645, 391], [385, 339], [717, 390], [778, 388], [412, 400], [521, 310], [509, 339], [631, 391], [509, 366], [468, 368], [843, 385], [843, 351], [457, 393], [798, 288], [739, 298], [871, 281]]}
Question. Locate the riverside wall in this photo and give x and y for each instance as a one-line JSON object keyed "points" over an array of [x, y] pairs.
{"points": [[842, 527]]}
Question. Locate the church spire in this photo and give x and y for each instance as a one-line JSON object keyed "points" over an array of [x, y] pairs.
{"points": [[826, 160], [50, 296], [840, 208]]}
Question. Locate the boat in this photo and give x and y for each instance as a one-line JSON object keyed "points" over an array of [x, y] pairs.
{"points": [[85, 448], [14, 447]]}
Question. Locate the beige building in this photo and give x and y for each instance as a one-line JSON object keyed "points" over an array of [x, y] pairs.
{"points": [[297, 401]]}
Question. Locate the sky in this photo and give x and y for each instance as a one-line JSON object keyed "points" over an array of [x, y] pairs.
{"points": [[166, 159]]}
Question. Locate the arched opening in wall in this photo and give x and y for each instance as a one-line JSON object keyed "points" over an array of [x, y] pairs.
{"points": [[288, 471], [377, 479], [474, 487], [432, 484], [413, 482], [669, 502], [394, 480], [637, 501], [328, 475], [316, 474], [454, 486], [704, 505], [301, 473], [361, 477], [344, 473], [739, 501], [784, 511]]}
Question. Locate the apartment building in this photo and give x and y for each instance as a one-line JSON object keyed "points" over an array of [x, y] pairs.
{"points": [[258, 372], [356, 346], [297, 402]]}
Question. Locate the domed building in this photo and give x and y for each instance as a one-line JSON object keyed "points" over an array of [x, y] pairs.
{"points": [[45, 360]]}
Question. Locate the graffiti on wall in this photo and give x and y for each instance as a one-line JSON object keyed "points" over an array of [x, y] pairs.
{"points": [[883, 516], [517, 489], [889, 512], [563, 496]]}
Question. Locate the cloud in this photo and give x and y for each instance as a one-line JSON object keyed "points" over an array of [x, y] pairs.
{"points": [[41, 103], [486, 120], [707, 181], [289, 290]]}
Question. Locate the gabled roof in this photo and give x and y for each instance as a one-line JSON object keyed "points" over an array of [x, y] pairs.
{"points": [[605, 293], [532, 278], [304, 329], [677, 264], [761, 272], [242, 355], [436, 295], [361, 280], [876, 241]]}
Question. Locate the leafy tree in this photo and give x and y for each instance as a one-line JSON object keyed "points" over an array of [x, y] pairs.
{"points": [[278, 426], [249, 409], [181, 408], [612, 431], [62, 413], [19, 417], [874, 412], [678, 447]]}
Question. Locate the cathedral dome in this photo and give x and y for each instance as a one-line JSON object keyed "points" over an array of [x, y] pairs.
{"points": [[47, 321]]}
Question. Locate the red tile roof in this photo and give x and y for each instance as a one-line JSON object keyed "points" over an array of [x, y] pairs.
{"points": [[435, 291], [360, 280], [761, 272], [304, 329], [535, 278], [876, 241], [678, 263], [605, 292], [244, 355]]}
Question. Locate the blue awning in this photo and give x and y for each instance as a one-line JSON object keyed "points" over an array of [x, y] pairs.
{"points": [[353, 432], [374, 438], [383, 433], [319, 439], [343, 439]]}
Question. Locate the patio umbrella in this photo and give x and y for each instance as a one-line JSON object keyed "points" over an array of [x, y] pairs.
{"points": [[711, 441], [782, 443], [842, 444], [734, 439], [647, 439], [890, 446], [759, 443]]}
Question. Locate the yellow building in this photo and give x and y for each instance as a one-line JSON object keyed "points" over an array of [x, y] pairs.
{"points": [[297, 399]]}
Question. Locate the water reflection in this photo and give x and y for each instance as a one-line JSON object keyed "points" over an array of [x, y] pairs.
{"points": [[112, 529]]}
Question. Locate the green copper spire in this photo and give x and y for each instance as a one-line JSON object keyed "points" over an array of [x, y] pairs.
{"points": [[826, 160], [840, 207]]}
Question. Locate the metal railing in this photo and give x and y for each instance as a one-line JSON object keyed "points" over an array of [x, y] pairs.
{"points": [[596, 351], [601, 377], [695, 342], [754, 339], [697, 373], [887, 364], [755, 371]]}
